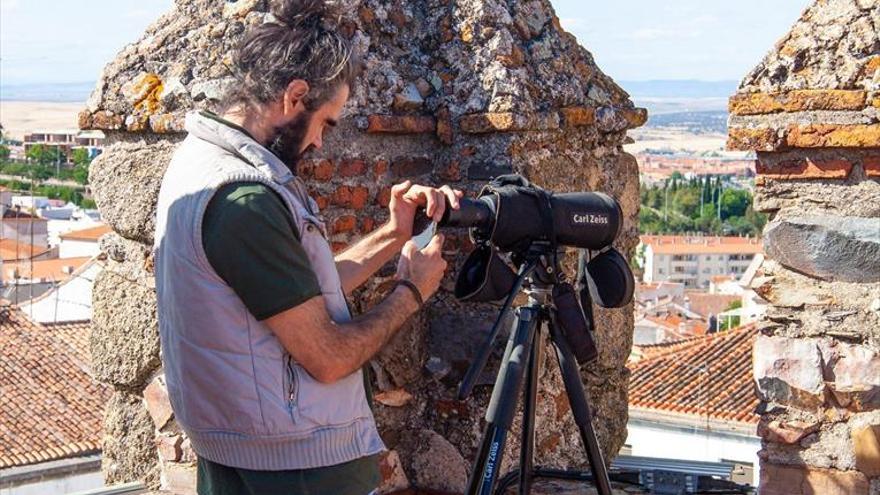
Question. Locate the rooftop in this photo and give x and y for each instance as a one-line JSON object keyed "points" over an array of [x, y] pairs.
{"points": [[89, 234], [55, 269], [11, 250], [703, 377], [50, 407]]}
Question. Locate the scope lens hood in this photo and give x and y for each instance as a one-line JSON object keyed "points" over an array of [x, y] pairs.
{"points": [[485, 277], [610, 279]]}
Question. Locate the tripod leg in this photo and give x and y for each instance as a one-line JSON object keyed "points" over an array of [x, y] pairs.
{"points": [[580, 409], [527, 445], [502, 405]]}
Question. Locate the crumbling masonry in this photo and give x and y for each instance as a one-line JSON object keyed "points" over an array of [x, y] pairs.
{"points": [[455, 91], [811, 110]]}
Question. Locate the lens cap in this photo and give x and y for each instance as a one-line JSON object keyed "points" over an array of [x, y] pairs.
{"points": [[610, 279], [485, 277]]}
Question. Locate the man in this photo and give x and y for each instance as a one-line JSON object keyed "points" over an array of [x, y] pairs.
{"points": [[262, 358]]}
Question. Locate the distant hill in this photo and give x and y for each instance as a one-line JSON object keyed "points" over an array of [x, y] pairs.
{"points": [[55, 93], [679, 88]]}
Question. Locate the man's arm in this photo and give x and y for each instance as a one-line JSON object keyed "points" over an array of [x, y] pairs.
{"points": [[331, 351], [361, 260]]}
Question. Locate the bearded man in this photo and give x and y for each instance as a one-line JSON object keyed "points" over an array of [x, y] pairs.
{"points": [[262, 358]]}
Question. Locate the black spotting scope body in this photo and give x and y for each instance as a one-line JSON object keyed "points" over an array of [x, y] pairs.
{"points": [[586, 220]]}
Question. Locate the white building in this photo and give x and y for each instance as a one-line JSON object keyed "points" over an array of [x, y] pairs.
{"points": [[69, 301], [82, 242], [694, 261], [694, 400]]}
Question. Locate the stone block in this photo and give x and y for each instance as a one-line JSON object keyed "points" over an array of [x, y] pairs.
{"points": [[128, 447], [797, 101], [170, 447], [578, 116], [779, 479], [393, 476], [866, 441], [125, 332], [157, 402], [828, 247], [400, 124], [788, 371], [482, 123], [805, 168], [852, 373], [125, 180], [437, 464], [788, 432], [179, 478]]}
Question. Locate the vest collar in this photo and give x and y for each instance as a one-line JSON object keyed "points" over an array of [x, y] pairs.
{"points": [[239, 143]]}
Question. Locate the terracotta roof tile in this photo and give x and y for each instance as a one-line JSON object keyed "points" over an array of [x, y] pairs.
{"points": [[50, 408], [703, 376], [11, 250], [89, 234], [674, 244]]}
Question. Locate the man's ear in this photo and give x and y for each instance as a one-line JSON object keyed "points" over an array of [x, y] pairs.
{"points": [[294, 94]]}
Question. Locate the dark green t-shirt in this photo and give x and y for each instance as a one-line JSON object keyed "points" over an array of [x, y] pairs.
{"points": [[252, 243]]}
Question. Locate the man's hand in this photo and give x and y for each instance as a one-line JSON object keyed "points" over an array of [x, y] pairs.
{"points": [[406, 198], [424, 268]]}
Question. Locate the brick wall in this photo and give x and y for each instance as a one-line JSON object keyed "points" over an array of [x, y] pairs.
{"points": [[809, 111]]}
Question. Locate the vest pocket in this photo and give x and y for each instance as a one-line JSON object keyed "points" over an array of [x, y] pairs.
{"points": [[291, 386]]}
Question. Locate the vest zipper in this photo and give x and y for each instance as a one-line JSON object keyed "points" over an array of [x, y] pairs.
{"points": [[291, 387]]}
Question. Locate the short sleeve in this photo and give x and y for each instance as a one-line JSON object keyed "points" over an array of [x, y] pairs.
{"points": [[252, 243]]}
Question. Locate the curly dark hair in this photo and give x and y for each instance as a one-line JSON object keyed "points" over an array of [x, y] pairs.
{"points": [[303, 43]]}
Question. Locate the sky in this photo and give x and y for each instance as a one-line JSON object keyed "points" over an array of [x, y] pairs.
{"points": [[65, 41]]}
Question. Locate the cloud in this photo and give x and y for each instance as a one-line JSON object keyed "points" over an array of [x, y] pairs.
{"points": [[9, 5]]}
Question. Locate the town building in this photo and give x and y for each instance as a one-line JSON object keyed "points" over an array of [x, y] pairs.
{"points": [[68, 301], [694, 260], [82, 242], [66, 141], [22, 225], [694, 400], [25, 280]]}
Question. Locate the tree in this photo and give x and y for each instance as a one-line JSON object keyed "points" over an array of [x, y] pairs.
{"points": [[687, 201], [735, 202], [4, 152], [81, 162], [44, 155]]}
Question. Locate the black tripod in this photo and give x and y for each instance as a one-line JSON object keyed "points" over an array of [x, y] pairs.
{"points": [[523, 356]]}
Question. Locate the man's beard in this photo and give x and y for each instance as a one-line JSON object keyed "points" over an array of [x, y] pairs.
{"points": [[287, 141]]}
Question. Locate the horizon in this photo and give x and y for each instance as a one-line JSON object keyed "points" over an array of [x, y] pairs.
{"points": [[652, 42]]}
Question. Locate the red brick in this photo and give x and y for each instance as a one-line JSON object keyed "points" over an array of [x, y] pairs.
{"points": [[380, 168], [802, 480], [400, 124], [343, 224], [341, 196], [805, 168], [352, 168], [384, 196], [158, 403], [444, 126], [368, 224], [468, 151], [872, 166], [323, 201], [339, 246], [359, 197], [323, 171], [411, 167], [305, 169]]}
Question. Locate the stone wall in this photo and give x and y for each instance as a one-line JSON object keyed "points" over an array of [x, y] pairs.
{"points": [[454, 92], [811, 110]]}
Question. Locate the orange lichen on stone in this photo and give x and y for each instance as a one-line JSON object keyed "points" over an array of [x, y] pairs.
{"points": [[833, 136], [805, 169], [797, 101], [578, 116], [636, 117], [480, 123], [400, 124], [749, 139], [147, 93], [871, 66]]}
